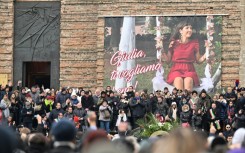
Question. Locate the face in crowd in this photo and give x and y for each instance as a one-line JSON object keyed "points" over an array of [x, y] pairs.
{"points": [[79, 105], [104, 103], [228, 127], [108, 88], [58, 106], [137, 94], [159, 100], [229, 90], [194, 94], [130, 88], [111, 94], [33, 90], [230, 103], [60, 116], [70, 110], [215, 98], [213, 106], [203, 95]]}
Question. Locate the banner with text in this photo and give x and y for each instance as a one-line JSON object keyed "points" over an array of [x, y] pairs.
{"points": [[156, 52]]}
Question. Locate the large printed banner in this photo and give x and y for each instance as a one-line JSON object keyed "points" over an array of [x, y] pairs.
{"points": [[156, 52]]}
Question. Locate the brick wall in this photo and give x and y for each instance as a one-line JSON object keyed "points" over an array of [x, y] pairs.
{"points": [[82, 34], [6, 37], [242, 52]]}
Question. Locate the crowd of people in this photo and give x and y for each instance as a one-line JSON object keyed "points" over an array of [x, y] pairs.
{"points": [[74, 119]]}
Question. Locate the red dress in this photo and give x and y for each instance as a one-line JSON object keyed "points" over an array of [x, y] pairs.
{"points": [[183, 57]]}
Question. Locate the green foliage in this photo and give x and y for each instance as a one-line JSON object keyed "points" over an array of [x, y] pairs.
{"points": [[150, 125]]}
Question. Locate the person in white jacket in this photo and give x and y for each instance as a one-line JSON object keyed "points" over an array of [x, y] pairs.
{"points": [[4, 106], [121, 117]]}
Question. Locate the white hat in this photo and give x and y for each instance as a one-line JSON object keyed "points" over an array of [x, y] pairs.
{"points": [[73, 93], [173, 103], [47, 90]]}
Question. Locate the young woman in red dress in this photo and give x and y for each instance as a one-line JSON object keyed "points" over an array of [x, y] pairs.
{"points": [[183, 53]]}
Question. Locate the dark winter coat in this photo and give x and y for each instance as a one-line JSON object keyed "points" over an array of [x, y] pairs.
{"points": [[61, 98], [153, 104], [79, 112], [88, 102], [130, 94], [114, 104], [216, 114], [222, 110], [196, 121], [185, 117], [240, 121], [27, 118], [138, 109], [204, 104], [54, 114], [162, 109]]}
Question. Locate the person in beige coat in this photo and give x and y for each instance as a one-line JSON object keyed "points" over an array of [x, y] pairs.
{"points": [[105, 116]]}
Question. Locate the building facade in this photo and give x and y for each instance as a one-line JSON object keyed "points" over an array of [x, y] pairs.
{"points": [[62, 42]]}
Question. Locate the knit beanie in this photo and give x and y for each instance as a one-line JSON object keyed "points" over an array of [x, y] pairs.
{"points": [[8, 140], [64, 130]]}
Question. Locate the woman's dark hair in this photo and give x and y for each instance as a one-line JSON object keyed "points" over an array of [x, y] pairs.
{"points": [[221, 95], [181, 25], [194, 91]]}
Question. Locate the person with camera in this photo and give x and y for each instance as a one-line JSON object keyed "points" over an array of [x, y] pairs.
{"points": [[121, 117], [113, 102], [105, 116]]}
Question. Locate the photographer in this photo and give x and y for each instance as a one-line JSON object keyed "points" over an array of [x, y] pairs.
{"points": [[104, 116]]}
